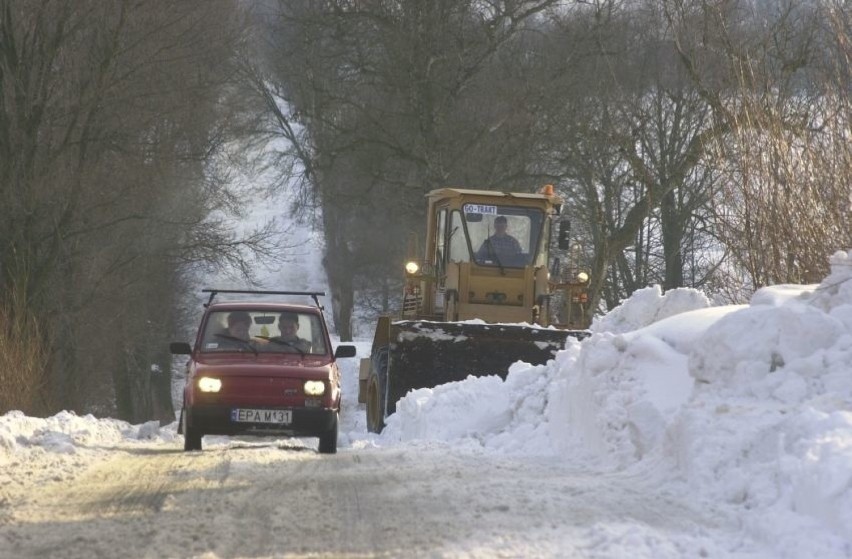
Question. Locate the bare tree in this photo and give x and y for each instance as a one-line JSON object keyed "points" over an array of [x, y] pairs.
{"points": [[390, 100], [659, 120], [779, 213], [110, 117], [628, 145]]}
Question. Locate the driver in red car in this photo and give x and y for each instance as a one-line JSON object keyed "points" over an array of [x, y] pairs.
{"points": [[239, 323], [237, 334]]}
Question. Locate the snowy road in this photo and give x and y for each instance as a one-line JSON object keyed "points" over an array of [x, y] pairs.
{"points": [[256, 499]]}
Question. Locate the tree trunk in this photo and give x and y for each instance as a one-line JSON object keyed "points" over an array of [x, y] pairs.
{"points": [[339, 271], [343, 298], [161, 388], [672, 232]]}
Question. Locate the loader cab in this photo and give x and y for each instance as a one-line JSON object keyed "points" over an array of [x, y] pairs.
{"points": [[472, 270]]}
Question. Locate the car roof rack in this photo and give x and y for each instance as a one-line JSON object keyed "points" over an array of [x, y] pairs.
{"points": [[315, 295]]}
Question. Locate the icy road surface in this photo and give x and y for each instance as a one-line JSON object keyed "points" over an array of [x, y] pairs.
{"points": [[272, 499]]}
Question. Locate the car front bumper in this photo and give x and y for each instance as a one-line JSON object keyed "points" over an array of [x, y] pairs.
{"points": [[216, 420]]}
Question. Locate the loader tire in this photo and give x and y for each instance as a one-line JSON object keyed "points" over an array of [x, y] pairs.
{"points": [[376, 390]]}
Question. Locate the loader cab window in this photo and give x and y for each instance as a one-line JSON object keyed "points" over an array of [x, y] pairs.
{"points": [[440, 241], [504, 236], [458, 246]]}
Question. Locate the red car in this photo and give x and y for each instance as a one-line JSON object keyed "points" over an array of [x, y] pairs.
{"points": [[262, 368]]}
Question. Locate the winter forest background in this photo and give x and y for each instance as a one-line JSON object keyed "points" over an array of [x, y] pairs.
{"points": [[699, 143]]}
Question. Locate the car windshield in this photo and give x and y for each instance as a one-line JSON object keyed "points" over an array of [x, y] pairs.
{"points": [[264, 332]]}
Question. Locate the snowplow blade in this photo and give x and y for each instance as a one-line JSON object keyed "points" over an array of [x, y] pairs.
{"points": [[425, 354]]}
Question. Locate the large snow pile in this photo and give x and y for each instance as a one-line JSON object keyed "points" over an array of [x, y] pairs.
{"points": [[649, 305], [66, 432], [34, 451], [750, 406]]}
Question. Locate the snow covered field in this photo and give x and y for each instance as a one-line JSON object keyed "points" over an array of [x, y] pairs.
{"points": [[745, 412]]}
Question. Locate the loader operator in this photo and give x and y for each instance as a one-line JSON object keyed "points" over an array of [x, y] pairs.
{"points": [[288, 324], [500, 245]]}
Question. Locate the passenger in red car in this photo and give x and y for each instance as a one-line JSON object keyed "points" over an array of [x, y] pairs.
{"points": [[288, 324]]}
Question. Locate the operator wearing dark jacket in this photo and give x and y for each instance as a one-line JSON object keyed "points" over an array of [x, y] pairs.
{"points": [[500, 245]]}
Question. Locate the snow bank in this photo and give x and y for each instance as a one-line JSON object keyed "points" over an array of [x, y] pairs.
{"points": [[769, 425], [647, 306], [504, 416], [66, 432], [750, 406]]}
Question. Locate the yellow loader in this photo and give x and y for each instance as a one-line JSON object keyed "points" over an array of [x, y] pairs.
{"points": [[485, 294]]}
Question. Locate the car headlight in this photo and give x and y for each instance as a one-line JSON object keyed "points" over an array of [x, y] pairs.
{"points": [[412, 267], [582, 277], [209, 384], [314, 387]]}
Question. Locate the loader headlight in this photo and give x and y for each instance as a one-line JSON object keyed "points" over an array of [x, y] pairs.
{"points": [[314, 387], [209, 384], [582, 277], [412, 267]]}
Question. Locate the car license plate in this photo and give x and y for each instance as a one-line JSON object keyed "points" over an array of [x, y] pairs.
{"points": [[278, 417]]}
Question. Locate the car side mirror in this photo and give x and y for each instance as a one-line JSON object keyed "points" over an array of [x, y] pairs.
{"points": [[180, 348], [344, 351]]}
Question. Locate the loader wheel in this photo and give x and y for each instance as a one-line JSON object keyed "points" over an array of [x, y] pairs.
{"points": [[376, 394]]}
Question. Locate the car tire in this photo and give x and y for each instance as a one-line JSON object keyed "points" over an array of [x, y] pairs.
{"points": [[180, 423], [328, 440], [191, 435]]}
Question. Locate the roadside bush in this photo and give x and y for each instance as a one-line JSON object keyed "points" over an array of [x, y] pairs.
{"points": [[24, 363]]}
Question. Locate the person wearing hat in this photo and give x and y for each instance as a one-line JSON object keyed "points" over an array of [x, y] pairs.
{"points": [[500, 245]]}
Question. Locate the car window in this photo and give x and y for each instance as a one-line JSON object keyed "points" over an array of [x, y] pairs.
{"points": [[243, 330]]}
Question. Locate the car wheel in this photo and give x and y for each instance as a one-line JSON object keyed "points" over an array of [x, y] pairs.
{"points": [[376, 394], [191, 435], [328, 440]]}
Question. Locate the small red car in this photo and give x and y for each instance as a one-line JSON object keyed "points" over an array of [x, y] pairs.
{"points": [[262, 368]]}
